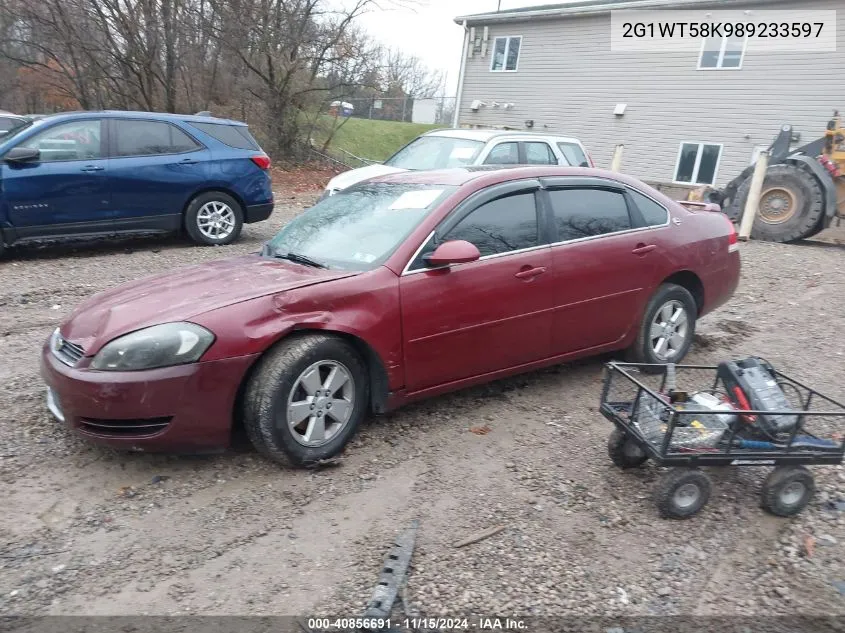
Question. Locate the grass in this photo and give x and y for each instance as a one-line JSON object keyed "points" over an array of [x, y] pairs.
{"points": [[372, 139]]}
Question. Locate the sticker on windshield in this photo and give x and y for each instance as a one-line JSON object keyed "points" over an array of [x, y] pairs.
{"points": [[416, 199], [462, 153]]}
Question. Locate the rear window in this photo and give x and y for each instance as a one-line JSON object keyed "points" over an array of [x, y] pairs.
{"points": [[573, 154], [236, 136]]}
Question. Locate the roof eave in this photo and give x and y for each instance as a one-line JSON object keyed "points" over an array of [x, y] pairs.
{"points": [[581, 10]]}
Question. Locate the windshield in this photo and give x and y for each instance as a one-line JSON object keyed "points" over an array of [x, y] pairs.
{"points": [[10, 126], [436, 152], [357, 228]]}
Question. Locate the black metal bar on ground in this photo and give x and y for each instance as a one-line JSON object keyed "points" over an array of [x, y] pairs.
{"points": [[392, 574]]}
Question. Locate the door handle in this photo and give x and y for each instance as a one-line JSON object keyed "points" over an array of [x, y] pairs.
{"points": [[530, 273], [188, 161], [92, 168], [642, 249]]}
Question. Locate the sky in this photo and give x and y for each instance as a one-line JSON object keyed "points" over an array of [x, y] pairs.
{"points": [[429, 32]]}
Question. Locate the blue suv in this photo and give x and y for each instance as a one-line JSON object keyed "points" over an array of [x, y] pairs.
{"points": [[85, 174]]}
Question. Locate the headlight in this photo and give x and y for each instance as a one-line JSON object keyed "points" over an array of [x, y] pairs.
{"points": [[157, 346]]}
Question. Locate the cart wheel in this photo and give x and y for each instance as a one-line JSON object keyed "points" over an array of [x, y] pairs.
{"points": [[682, 492], [787, 490], [623, 451]]}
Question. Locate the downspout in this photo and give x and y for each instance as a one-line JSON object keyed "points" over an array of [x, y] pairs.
{"points": [[457, 113]]}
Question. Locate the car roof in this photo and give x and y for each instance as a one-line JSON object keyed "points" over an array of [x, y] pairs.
{"points": [[492, 174], [127, 114], [486, 135]]}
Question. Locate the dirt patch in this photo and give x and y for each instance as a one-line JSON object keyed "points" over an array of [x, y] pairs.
{"points": [[89, 531]]}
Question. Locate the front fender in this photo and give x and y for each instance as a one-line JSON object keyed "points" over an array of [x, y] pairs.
{"points": [[364, 306]]}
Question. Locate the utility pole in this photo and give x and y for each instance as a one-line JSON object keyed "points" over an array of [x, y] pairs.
{"points": [[499, 6]]}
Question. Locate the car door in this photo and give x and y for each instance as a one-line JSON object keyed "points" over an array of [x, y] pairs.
{"points": [[487, 315], [154, 167], [66, 188], [604, 262]]}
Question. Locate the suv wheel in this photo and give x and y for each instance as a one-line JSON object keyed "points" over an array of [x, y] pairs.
{"points": [[214, 218]]}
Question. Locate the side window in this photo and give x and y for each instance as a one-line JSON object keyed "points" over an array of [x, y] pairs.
{"points": [[582, 213], [539, 154], [503, 154], [499, 226], [574, 154], [77, 140], [653, 213], [148, 138]]}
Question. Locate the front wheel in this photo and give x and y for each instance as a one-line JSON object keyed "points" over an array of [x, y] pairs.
{"points": [[668, 327], [787, 490], [214, 218], [306, 399], [682, 492]]}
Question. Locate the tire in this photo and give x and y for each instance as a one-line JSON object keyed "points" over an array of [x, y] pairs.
{"points": [[787, 490], [790, 184], [623, 451], [643, 350], [214, 211], [681, 493], [278, 381]]}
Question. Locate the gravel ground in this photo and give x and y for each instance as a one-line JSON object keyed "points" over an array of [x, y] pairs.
{"points": [[90, 531]]}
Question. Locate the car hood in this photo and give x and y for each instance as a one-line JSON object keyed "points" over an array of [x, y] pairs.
{"points": [[183, 294], [354, 176]]}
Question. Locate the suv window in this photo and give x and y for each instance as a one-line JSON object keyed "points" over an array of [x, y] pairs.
{"points": [[503, 154], [653, 213], [588, 212], [539, 154], [573, 154], [499, 226], [75, 140], [236, 136], [148, 138]]}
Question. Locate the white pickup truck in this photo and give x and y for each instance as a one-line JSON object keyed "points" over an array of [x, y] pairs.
{"points": [[442, 149]]}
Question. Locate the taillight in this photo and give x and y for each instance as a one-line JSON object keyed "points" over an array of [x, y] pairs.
{"points": [[733, 238], [262, 160]]}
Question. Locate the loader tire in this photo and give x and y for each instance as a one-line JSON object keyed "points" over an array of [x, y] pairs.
{"points": [[791, 205]]}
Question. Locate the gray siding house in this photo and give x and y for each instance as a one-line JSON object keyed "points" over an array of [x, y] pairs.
{"points": [[690, 117]]}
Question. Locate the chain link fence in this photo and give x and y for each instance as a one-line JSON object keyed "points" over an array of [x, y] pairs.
{"points": [[430, 110]]}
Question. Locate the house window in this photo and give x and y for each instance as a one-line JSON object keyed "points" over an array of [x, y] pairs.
{"points": [[698, 163], [722, 52], [506, 53]]}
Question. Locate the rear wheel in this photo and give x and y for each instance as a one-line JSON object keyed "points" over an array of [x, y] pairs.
{"points": [[623, 451], [214, 218], [791, 205], [668, 327]]}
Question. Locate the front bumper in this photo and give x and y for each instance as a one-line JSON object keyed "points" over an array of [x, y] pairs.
{"points": [[258, 212], [187, 408]]}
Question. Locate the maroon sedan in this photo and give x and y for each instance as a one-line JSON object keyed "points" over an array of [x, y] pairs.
{"points": [[398, 288]]}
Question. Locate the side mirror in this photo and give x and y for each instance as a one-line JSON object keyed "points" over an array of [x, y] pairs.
{"points": [[22, 155], [452, 252]]}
